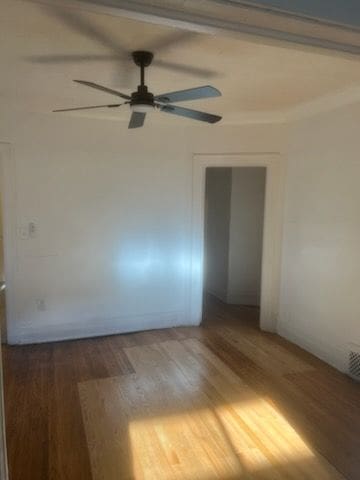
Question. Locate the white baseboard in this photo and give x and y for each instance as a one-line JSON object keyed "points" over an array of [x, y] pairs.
{"points": [[331, 354], [25, 334], [252, 300], [218, 295]]}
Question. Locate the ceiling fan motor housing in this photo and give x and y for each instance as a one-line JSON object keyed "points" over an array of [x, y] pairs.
{"points": [[142, 58], [142, 97]]}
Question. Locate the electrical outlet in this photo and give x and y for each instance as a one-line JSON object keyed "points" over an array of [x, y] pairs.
{"points": [[40, 305]]}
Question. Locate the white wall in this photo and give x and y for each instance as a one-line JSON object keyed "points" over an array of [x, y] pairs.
{"points": [[246, 235], [320, 307], [113, 216], [217, 230], [112, 209]]}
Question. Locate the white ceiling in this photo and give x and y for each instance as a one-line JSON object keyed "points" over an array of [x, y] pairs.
{"points": [[254, 78]]}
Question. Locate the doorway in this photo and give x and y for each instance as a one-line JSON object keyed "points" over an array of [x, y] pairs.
{"points": [[233, 240], [274, 164]]}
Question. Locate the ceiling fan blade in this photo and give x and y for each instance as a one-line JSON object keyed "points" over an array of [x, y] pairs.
{"points": [[137, 119], [79, 23], [103, 89], [173, 39], [187, 112], [189, 94], [76, 58], [88, 108], [187, 69]]}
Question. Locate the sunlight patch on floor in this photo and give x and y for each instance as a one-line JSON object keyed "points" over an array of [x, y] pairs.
{"points": [[225, 442], [185, 415]]}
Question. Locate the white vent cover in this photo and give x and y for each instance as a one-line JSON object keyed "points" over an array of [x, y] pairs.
{"points": [[354, 361]]}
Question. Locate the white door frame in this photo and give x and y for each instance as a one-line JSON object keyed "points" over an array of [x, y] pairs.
{"points": [[8, 197], [272, 235], [8, 203]]}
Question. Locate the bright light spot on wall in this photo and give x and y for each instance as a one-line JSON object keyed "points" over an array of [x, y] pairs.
{"points": [[144, 262]]}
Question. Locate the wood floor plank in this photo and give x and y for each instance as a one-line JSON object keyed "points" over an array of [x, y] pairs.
{"points": [[268, 355], [68, 457], [221, 401], [274, 432], [171, 413], [30, 385]]}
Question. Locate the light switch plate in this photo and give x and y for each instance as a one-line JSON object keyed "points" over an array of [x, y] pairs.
{"points": [[32, 230], [23, 233]]}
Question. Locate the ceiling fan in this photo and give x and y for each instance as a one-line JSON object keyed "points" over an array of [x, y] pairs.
{"points": [[142, 101]]}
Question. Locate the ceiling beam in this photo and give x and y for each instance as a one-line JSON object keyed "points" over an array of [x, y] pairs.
{"points": [[339, 12], [229, 16]]}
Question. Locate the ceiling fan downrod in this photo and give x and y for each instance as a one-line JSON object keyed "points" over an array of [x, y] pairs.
{"points": [[142, 59], [142, 100]]}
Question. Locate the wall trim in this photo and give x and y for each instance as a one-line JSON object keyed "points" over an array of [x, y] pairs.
{"points": [[326, 103], [97, 327], [219, 295], [246, 299], [327, 352], [272, 234]]}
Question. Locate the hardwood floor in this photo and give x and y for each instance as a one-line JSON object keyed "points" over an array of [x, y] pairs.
{"points": [[222, 401]]}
